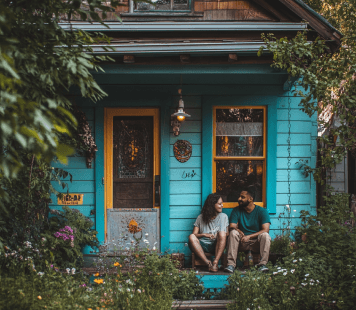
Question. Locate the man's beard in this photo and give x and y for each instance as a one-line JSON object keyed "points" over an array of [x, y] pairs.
{"points": [[243, 205]]}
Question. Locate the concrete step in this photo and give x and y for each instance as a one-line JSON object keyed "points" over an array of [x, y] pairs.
{"points": [[201, 304]]}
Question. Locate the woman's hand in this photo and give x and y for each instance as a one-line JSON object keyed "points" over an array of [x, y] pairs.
{"points": [[210, 236]]}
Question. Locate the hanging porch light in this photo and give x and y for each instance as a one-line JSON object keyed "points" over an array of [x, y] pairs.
{"points": [[179, 116]]}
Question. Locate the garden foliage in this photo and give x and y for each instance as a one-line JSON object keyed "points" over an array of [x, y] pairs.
{"points": [[152, 287], [320, 274], [39, 62]]}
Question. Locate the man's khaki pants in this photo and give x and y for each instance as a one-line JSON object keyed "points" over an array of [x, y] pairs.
{"points": [[260, 245]]}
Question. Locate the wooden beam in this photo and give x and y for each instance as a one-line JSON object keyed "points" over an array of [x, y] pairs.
{"points": [[232, 58], [184, 58], [324, 30], [287, 86], [271, 9], [129, 59]]}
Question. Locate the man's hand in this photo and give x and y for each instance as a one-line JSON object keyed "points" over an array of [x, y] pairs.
{"points": [[246, 239], [240, 232]]}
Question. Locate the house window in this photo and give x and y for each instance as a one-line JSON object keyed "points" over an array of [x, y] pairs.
{"points": [[162, 6], [239, 153]]}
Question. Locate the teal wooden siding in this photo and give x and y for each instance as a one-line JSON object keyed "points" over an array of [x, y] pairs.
{"points": [[186, 178], [184, 186], [83, 181]]}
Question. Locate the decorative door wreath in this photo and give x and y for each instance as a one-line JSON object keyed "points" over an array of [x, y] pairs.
{"points": [[182, 150]]}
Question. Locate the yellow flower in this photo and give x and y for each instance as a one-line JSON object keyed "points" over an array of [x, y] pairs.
{"points": [[96, 275], [39, 297], [117, 264], [99, 281], [90, 309], [118, 276]]}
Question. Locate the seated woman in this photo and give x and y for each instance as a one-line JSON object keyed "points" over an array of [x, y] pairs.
{"points": [[210, 231]]}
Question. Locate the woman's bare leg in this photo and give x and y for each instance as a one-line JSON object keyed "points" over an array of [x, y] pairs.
{"points": [[220, 246], [197, 249]]}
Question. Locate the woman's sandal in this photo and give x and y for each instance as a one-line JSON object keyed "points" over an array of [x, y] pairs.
{"points": [[213, 268]]}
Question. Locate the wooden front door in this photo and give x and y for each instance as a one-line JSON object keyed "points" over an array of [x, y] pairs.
{"points": [[131, 167]]}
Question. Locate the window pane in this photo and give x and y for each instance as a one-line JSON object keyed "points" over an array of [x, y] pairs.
{"points": [[163, 5], [239, 132], [234, 176]]}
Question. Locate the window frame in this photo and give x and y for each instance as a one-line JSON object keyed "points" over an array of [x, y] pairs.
{"points": [[135, 11], [250, 158]]}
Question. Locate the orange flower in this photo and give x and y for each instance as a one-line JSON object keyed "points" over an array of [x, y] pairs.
{"points": [[96, 275], [117, 264], [39, 297], [99, 281], [133, 227]]}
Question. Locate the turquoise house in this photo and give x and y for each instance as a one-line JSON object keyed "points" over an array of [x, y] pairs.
{"points": [[244, 125]]}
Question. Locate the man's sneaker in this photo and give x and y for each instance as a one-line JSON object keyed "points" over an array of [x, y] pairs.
{"points": [[229, 269], [263, 268]]}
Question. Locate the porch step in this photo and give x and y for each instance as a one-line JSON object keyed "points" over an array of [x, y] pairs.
{"points": [[201, 304], [214, 282]]}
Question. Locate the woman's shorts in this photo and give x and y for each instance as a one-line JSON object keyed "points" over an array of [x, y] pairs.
{"points": [[207, 244]]}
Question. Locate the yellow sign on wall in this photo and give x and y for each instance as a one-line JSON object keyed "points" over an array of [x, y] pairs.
{"points": [[71, 199]]}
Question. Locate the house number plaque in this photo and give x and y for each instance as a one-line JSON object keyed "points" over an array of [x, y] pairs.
{"points": [[71, 200], [182, 150]]}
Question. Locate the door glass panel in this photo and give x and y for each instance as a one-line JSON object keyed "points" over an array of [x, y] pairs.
{"points": [[234, 176], [133, 162], [239, 132]]}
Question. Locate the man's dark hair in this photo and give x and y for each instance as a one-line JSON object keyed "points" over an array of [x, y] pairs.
{"points": [[208, 211], [251, 191]]}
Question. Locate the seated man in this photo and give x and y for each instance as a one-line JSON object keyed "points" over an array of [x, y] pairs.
{"points": [[209, 233], [249, 228]]}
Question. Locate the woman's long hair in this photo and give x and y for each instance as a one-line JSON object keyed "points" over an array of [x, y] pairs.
{"points": [[208, 211]]}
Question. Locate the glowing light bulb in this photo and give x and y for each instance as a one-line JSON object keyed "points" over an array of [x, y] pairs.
{"points": [[181, 118]]}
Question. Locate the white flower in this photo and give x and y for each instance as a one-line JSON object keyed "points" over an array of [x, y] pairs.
{"points": [[40, 274], [279, 268], [304, 284], [284, 273], [128, 289], [138, 290], [146, 234], [292, 270], [300, 259], [68, 270], [73, 270], [294, 261], [274, 273], [307, 275], [317, 281], [154, 248]]}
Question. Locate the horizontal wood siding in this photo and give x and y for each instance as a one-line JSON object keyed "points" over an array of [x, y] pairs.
{"points": [[83, 179], [185, 179], [303, 147]]}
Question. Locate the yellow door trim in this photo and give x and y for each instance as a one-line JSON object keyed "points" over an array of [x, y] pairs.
{"points": [[109, 114]]}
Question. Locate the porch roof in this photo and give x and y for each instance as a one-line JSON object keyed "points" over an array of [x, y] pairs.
{"points": [[184, 26]]}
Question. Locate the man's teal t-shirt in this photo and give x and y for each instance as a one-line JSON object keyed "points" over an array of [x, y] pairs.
{"points": [[250, 223]]}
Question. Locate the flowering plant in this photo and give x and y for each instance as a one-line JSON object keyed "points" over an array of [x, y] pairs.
{"points": [[69, 232]]}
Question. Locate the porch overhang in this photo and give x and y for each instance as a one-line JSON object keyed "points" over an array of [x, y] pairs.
{"points": [[183, 26], [176, 48]]}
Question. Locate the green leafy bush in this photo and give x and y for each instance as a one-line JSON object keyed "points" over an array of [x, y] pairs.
{"points": [[152, 287], [320, 274], [281, 244], [69, 231]]}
